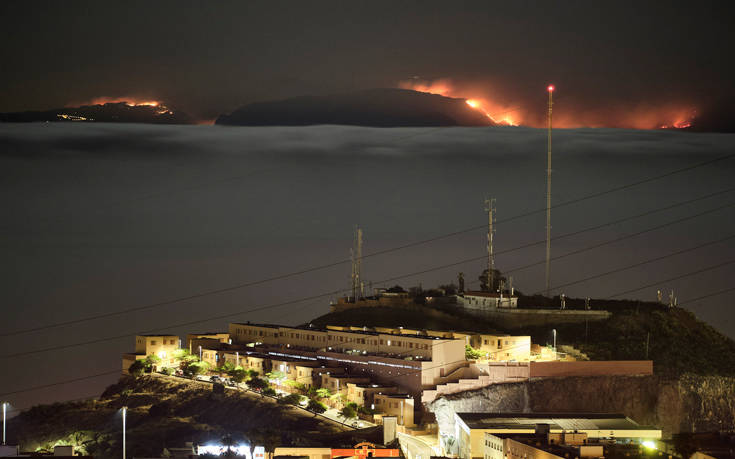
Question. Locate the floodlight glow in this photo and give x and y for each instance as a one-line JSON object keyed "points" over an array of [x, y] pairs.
{"points": [[649, 444], [550, 88]]}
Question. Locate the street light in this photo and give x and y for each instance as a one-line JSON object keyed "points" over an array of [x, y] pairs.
{"points": [[554, 332], [5, 408], [124, 415], [200, 353]]}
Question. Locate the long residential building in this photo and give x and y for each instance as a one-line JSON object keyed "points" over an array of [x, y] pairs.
{"points": [[411, 362]]}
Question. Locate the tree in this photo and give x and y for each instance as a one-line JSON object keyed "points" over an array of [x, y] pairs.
{"points": [[151, 360], [296, 385], [323, 392], [166, 371], [257, 384], [395, 289], [227, 367], [238, 375], [137, 368], [269, 391], [252, 374], [348, 412], [497, 277], [291, 399], [471, 353], [316, 406], [276, 374], [196, 368]]}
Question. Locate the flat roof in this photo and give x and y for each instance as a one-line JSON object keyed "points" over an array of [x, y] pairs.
{"points": [[159, 336], [563, 421], [357, 332]]}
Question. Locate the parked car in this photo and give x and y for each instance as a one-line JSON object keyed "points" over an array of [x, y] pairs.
{"points": [[230, 383], [202, 378], [215, 379]]}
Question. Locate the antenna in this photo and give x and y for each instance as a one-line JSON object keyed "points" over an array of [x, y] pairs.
{"points": [[356, 257], [490, 208], [548, 201]]}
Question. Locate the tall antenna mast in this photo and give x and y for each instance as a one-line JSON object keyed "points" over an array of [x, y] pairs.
{"points": [[490, 208], [548, 201], [358, 263], [356, 258]]}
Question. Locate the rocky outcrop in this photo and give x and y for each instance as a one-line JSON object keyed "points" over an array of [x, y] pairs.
{"points": [[690, 403]]}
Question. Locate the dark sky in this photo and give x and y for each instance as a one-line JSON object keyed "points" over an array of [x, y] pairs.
{"points": [[610, 60]]}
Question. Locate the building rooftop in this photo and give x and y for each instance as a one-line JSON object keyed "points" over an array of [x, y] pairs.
{"points": [[556, 421], [357, 332], [487, 294], [159, 336]]}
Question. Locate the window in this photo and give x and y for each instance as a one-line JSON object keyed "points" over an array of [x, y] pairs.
{"points": [[153, 342]]}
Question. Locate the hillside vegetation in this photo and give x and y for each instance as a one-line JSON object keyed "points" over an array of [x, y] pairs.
{"points": [[678, 342], [165, 412]]}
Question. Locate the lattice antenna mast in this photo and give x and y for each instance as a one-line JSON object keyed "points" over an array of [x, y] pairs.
{"points": [[490, 209], [356, 258], [548, 200], [358, 263]]}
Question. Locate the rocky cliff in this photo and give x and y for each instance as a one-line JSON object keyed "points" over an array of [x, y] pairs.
{"points": [[690, 403]]}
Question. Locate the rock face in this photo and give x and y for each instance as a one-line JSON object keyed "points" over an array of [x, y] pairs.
{"points": [[374, 107], [688, 404]]}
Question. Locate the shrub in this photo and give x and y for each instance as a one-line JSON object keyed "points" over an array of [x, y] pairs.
{"points": [[238, 375], [137, 368], [258, 384], [471, 353], [291, 399], [316, 406]]}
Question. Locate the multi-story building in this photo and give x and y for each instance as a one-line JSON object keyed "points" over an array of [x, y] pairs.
{"points": [[549, 446], [364, 394], [162, 346], [410, 362], [503, 347], [470, 429], [194, 340]]}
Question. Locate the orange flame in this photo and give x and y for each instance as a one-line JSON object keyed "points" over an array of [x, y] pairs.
{"points": [[498, 113], [129, 101]]}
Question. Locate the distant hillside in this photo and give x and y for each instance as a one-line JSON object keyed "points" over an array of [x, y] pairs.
{"points": [[118, 112], [375, 107], [678, 342], [165, 412]]}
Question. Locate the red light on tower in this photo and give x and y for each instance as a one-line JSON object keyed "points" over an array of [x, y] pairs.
{"points": [[550, 88]]}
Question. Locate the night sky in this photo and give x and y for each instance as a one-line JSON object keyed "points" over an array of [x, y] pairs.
{"points": [[629, 64], [104, 217]]}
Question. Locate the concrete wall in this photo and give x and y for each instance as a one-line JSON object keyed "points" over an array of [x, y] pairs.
{"points": [[591, 368], [401, 408]]}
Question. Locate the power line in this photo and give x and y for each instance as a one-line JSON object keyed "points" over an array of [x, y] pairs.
{"points": [[322, 295], [410, 351], [692, 273], [621, 238], [60, 383], [283, 276], [645, 262]]}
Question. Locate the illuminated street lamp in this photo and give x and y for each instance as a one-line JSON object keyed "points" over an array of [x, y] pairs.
{"points": [[554, 332], [5, 409], [124, 415], [200, 353]]}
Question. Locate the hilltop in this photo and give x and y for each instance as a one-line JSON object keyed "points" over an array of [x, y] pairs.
{"points": [[373, 107], [115, 112], [678, 342]]}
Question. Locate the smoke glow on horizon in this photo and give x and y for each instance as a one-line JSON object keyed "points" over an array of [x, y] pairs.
{"points": [[668, 116]]}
